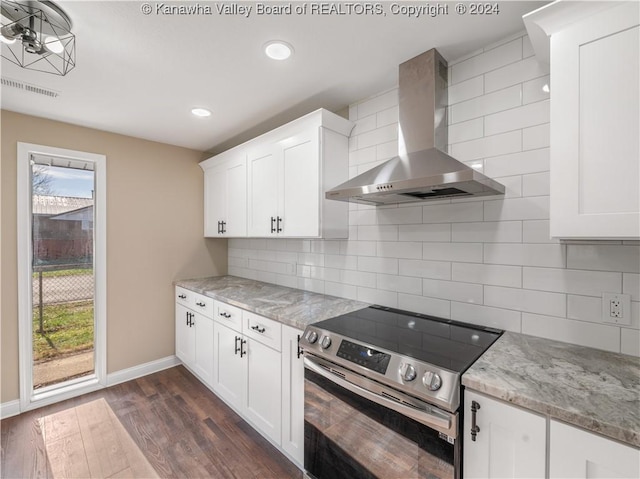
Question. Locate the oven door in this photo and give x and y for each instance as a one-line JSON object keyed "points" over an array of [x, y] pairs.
{"points": [[358, 428]]}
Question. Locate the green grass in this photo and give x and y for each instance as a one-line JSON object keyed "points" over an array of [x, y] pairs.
{"points": [[65, 272], [67, 328]]}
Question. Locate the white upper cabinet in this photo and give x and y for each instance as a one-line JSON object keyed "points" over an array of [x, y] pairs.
{"points": [[287, 173], [595, 117], [225, 195]]}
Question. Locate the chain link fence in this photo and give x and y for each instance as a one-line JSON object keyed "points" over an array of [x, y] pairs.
{"points": [[59, 284]]}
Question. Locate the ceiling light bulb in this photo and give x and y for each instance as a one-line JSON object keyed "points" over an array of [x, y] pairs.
{"points": [[278, 50], [53, 45], [201, 112]]}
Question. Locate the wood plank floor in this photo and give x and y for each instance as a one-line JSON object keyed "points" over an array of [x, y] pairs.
{"points": [[163, 425]]}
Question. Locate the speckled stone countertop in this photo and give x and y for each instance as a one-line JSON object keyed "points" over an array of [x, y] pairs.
{"points": [[293, 307], [589, 388]]}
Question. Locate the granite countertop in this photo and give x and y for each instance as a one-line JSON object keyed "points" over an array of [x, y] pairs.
{"points": [[294, 307], [589, 388]]}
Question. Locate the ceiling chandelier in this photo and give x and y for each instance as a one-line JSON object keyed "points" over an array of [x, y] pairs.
{"points": [[37, 35]]}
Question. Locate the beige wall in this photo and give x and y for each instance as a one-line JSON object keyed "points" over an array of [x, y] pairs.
{"points": [[154, 236]]}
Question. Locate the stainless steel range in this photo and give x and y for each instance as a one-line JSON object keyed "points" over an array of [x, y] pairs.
{"points": [[382, 393]]}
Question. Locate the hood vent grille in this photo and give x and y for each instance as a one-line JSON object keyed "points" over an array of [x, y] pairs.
{"points": [[8, 82]]}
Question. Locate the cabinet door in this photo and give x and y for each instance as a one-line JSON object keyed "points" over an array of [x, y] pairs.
{"points": [[185, 336], [292, 395], [574, 453], [595, 119], [511, 442], [236, 215], [262, 166], [203, 361], [230, 371], [263, 399], [299, 205], [215, 200]]}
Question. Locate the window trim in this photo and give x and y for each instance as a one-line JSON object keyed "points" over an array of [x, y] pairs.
{"points": [[28, 398]]}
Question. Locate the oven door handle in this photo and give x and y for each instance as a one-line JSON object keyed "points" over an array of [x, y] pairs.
{"points": [[427, 416]]}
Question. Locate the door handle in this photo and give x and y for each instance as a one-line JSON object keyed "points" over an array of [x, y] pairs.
{"points": [[475, 429], [219, 228], [258, 329], [299, 349], [224, 226], [242, 351], [238, 349], [278, 228], [273, 228]]}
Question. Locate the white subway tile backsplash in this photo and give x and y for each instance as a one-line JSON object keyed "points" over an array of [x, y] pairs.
{"points": [[529, 208], [494, 251], [631, 285], [588, 283], [425, 269], [395, 249], [466, 130], [487, 316], [462, 252], [487, 61], [577, 332], [536, 137], [537, 231], [605, 257], [533, 90], [452, 212], [521, 163], [422, 304], [485, 105], [536, 184], [401, 284], [543, 255], [496, 275], [514, 73], [375, 264], [487, 232], [517, 118], [466, 90], [425, 232], [452, 290], [378, 296], [376, 104], [630, 342], [495, 145], [554, 304]]}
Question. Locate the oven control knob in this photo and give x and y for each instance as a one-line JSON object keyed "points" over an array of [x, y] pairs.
{"points": [[312, 337], [431, 381], [408, 372], [326, 342]]}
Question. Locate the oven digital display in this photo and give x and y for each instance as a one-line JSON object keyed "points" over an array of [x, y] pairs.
{"points": [[364, 356]]}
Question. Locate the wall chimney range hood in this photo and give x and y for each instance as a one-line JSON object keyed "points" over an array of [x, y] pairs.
{"points": [[421, 171]]}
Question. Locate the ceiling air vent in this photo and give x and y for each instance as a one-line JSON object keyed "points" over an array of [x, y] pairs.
{"points": [[8, 82]]}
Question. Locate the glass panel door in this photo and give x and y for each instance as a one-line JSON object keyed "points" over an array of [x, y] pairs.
{"points": [[62, 226]]}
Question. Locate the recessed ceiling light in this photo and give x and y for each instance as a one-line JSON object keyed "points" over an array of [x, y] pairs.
{"points": [[201, 112], [278, 50]]}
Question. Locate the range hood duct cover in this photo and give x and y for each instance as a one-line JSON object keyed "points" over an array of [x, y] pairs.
{"points": [[421, 171]]}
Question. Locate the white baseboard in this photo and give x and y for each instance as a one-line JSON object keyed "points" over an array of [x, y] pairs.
{"points": [[9, 408], [141, 370], [12, 408]]}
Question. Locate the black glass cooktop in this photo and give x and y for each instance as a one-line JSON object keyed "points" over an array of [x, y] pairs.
{"points": [[444, 343]]}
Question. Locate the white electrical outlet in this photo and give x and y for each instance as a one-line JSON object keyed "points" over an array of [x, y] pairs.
{"points": [[616, 308]]}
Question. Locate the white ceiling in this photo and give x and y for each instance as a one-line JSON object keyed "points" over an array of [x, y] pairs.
{"points": [[140, 75]]}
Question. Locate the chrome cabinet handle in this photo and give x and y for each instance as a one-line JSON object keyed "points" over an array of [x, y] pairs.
{"points": [[475, 429], [278, 221], [182, 296], [299, 349], [273, 228], [242, 351], [258, 328], [202, 305], [237, 349], [224, 314]]}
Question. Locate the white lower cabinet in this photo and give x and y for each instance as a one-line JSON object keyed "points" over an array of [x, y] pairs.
{"points": [[194, 333], [248, 373], [509, 442], [574, 453], [292, 395]]}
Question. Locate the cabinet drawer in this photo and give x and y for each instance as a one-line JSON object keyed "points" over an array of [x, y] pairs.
{"points": [[202, 304], [184, 297], [228, 315], [264, 330]]}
